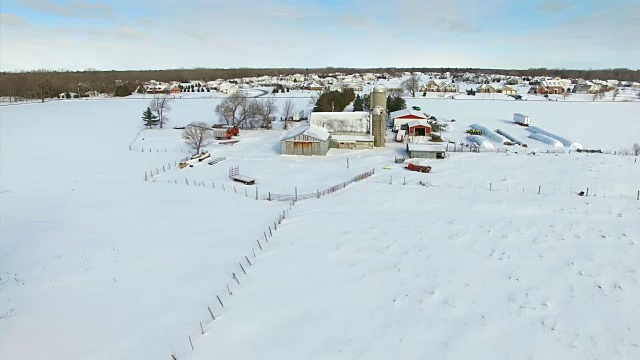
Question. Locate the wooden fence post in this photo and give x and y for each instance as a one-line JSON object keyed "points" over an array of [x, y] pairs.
{"points": [[187, 181], [220, 301], [256, 193], [242, 267], [296, 194], [638, 195], [347, 163], [539, 189], [490, 186], [201, 328], [191, 342], [317, 190], [211, 312], [587, 191], [247, 258], [245, 193], [259, 245], [236, 278]]}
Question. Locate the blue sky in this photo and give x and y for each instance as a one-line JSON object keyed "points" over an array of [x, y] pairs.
{"points": [[156, 34]]}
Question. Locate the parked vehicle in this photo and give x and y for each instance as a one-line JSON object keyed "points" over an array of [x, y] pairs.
{"points": [[225, 133], [520, 119], [418, 168]]}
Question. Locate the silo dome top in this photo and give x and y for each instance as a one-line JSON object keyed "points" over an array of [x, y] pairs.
{"points": [[380, 88]]}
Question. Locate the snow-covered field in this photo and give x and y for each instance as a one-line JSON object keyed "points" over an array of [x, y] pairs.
{"points": [[96, 263]]}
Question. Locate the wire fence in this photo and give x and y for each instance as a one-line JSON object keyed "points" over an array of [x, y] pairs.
{"points": [[246, 264], [319, 193], [520, 189]]}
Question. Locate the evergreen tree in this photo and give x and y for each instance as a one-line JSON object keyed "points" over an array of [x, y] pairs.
{"points": [[149, 118], [121, 91], [358, 104], [395, 103], [208, 90]]}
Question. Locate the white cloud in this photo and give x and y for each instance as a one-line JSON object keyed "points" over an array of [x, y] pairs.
{"points": [[77, 8], [12, 20]]}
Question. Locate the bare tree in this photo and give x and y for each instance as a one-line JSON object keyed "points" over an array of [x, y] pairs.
{"points": [[635, 149], [237, 110], [161, 106], [396, 92], [267, 108], [411, 85], [198, 135], [615, 94], [287, 111]]}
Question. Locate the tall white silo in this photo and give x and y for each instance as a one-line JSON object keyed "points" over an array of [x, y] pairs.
{"points": [[379, 115]]}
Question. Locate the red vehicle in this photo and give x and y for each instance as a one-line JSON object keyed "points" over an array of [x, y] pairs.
{"points": [[227, 133], [418, 168]]}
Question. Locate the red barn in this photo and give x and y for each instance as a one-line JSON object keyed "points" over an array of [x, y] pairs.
{"points": [[403, 116], [419, 128]]}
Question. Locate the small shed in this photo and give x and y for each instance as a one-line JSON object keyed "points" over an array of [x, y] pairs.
{"points": [[357, 142], [403, 116], [426, 151], [305, 140], [419, 128]]}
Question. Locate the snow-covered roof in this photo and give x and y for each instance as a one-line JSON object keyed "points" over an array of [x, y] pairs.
{"points": [[425, 147], [313, 131], [368, 138], [418, 122], [349, 122], [548, 83], [405, 112]]}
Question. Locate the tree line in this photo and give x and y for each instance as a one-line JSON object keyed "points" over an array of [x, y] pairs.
{"points": [[48, 83]]}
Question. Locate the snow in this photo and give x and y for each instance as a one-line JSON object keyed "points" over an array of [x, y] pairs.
{"points": [[546, 140], [564, 141], [496, 257], [313, 131], [480, 141], [405, 112], [413, 123], [365, 138], [490, 134], [341, 122], [425, 147], [484, 283]]}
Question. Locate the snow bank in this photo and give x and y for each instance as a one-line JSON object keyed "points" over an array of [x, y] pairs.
{"points": [[564, 141], [490, 134], [547, 140], [480, 141]]}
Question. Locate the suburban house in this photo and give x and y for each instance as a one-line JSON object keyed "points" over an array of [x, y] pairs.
{"points": [[403, 116], [228, 88], [550, 87], [485, 88], [586, 88], [439, 86], [315, 86], [175, 89], [508, 90], [305, 140], [426, 151]]}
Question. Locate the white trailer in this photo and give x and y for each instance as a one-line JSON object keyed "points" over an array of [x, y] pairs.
{"points": [[522, 119]]}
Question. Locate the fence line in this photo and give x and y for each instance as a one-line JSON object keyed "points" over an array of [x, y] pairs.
{"points": [[539, 189], [216, 305], [318, 194]]}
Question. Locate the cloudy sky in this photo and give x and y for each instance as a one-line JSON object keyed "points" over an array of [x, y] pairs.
{"points": [[157, 34]]}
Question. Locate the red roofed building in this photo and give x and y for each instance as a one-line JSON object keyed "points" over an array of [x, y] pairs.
{"points": [[403, 116]]}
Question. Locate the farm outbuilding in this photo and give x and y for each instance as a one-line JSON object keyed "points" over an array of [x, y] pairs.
{"points": [[305, 140], [419, 128], [356, 142], [342, 123], [426, 151], [403, 116]]}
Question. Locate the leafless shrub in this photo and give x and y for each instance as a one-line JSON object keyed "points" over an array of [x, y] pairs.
{"points": [[198, 135]]}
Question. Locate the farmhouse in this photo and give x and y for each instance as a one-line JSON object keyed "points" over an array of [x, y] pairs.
{"points": [[305, 140], [403, 116], [419, 128], [426, 151]]}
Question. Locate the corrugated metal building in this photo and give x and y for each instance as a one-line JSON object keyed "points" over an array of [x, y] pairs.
{"points": [[305, 140], [426, 151], [356, 142]]}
